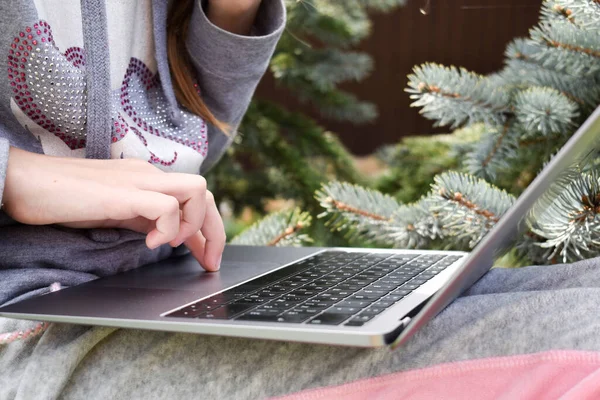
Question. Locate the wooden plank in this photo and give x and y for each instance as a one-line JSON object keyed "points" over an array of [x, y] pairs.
{"points": [[469, 33]]}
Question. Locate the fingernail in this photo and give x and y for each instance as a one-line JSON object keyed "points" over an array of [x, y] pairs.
{"points": [[219, 262]]}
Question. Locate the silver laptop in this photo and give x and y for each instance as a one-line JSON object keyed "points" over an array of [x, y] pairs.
{"points": [[340, 296]]}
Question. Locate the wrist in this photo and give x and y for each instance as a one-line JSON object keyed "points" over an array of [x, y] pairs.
{"points": [[233, 16], [17, 160]]}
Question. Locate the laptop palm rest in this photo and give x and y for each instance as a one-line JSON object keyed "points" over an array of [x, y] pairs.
{"points": [[148, 291], [186, 274], [240, 263]]}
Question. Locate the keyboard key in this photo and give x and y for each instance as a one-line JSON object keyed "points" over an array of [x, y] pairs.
{"points": [[343, 274], [309, 274], [318, 288], [236, 308], [320, 304], [298, 295], [285, 304], [348, 286], [328, 297], [305, 306], [294, 317], [354, 323], [387, 287], [279, 288], [305, 292], [393, 281], [401, 274], [410, 286], [292, 285], [218, 313], [340, 292], [401, 292], [361, 282], [267, 293], [343, 310], [252, 299], [359, 320], [307, 310], [393, 297], [384, 303], [271, 306], [264, 311], [374, 274], [301, 279], [329, 319], [354, 303], [366, 296], [329, 282], [373, 292], [372, 311]]}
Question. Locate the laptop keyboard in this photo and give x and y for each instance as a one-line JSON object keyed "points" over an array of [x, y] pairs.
{"points": [[330, 288]]}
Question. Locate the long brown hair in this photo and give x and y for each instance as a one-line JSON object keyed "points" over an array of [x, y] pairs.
{"points": [[180, 65]]}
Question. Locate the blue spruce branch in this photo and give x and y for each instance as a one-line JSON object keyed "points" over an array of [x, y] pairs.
{"points": [[283, 228], [455, 97]]}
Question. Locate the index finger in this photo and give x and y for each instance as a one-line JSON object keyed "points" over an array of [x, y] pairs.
{"points": [[213, 233]]}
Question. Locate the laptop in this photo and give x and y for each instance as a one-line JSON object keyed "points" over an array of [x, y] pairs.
{"points": [[339, 296]]}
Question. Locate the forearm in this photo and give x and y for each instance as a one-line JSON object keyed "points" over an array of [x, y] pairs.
{"points": [[233, 16]]}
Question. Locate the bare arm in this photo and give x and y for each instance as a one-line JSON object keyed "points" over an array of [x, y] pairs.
{"points": [[235, 16], [82, 193]]}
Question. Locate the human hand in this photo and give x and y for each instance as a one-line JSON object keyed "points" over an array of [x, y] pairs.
{"points": [[132, 194], [235, 16]]}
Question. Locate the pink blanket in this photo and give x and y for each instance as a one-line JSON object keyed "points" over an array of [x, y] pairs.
{"points": [[565, 375]]}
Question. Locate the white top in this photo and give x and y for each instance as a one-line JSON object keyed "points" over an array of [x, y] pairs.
{"points": [[50, 100]]}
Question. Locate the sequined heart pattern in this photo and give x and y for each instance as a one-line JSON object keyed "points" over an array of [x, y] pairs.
{"points": [[49, 86], [143, 103]]}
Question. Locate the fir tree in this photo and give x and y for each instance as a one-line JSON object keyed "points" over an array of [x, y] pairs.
{"points": [[283, 154], [550, 84]]}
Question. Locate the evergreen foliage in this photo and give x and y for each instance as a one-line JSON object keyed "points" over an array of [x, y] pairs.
{"points": [[415, 161], [548, 86], [522, 115], [282, 228], [283, 154]]}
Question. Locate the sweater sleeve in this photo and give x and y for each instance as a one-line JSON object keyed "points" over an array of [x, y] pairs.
{"points": [[4, 148], [229, 66]]}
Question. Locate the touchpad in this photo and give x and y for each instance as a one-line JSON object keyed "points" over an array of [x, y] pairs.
{"points": [[188, 275]]}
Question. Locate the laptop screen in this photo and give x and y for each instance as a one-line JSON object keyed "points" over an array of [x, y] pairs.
{"points": [[552, 219]]}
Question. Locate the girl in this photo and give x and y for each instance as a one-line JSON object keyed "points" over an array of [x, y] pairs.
{"points": [[110, 113]]}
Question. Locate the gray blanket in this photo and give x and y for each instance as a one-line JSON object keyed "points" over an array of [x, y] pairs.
{"points": [[509, 311]]}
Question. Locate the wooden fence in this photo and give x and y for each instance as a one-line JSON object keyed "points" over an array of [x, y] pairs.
{"points": [[468, 33]]}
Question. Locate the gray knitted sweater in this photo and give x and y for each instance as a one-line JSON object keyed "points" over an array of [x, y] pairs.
{"points": [[60, 95]]}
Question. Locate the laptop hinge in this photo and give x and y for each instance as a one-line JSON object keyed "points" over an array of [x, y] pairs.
{"points": [[391, 337]]}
